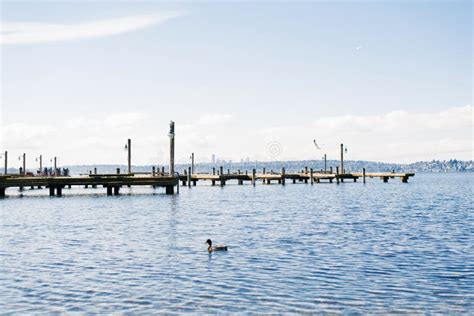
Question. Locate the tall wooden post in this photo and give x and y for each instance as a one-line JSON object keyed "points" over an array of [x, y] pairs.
{"points": [[129, 156], [55, 164], [342, 159], [189, 176], [311, 175], [221, 175], [325, 160], [24, 164], [41, 163], [253, 176], [337, 175], [363, 175], [171, 135], [192, 163], [283, 175], [6, 162]]}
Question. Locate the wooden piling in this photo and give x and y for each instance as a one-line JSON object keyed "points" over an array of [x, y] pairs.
{"points": [[51, 191], [283, 175], [116, 190], [189, 177], [171, 173], [342, 159], [337, 175], [363, 175], [6, 163], [253, 176], [214, 170], [153, 171], [221, 175], [311, 175], [129, 156], [24, 163], [192, 163], [118, 170]]}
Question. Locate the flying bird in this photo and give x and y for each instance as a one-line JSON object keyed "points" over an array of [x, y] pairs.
{"points": [[316, 144]]}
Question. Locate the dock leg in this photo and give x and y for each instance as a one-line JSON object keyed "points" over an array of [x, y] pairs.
{"points": [[116, 190], [404, 179], [363, 175], [109, 191], [2, 192], [51, 191], [59, 191], [194, 183], [385, 179], [294, 180], [311, 176], [32, 188], [213, 182], [169, 189], [184, 183], [355, 179], [282, 176]]}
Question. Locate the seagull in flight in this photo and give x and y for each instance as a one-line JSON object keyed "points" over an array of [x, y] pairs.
{"points": [[316, 144]]}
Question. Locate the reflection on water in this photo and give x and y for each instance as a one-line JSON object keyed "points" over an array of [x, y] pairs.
{"points": [[379, 247]]}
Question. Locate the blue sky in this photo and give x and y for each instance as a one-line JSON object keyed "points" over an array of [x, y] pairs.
{"points": [[236, 77]]}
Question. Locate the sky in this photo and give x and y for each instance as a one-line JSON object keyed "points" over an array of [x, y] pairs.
{"points": [[392, 80]]}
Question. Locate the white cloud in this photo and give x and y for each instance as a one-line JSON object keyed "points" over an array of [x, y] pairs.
{"points": [[394, 137], [29, 32]]}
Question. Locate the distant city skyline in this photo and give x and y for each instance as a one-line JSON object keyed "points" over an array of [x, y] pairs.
{"points": [[252, 81]]}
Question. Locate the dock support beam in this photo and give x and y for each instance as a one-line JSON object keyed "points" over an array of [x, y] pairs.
{"points": [[51, 191], [192, 163], [169, 189], [189, 176], [171, 135], [282, 175], [116, 190], [24, 163], [109, 191], [311, 175], [337, 175], [6, 162], [363, 175], [221, 175], [253, 177], [129, 155], [342, 159], [2, 192]]}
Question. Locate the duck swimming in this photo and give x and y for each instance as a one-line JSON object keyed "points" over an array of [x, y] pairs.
{"points": [[219, 247]]}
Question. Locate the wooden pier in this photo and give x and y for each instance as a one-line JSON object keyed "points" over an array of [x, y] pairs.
{"points": [[111, 182], [267, 178]]}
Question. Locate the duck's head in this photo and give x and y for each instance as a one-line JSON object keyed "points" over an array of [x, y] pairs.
{"points": [[209, 242]]}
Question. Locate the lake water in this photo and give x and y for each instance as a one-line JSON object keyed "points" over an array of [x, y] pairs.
{"points": [[352, 248]]}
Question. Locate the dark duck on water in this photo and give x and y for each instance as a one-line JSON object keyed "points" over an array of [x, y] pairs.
{"points": [[219, 247]]}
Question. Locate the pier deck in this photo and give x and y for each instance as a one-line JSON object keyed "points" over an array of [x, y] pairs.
{"points": [[113, 182]]}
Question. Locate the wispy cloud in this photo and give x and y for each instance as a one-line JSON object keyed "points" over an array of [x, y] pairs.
{"points": [[29, 32]]}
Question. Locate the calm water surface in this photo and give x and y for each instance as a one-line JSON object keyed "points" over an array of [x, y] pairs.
{"points": [[379, 247]]}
